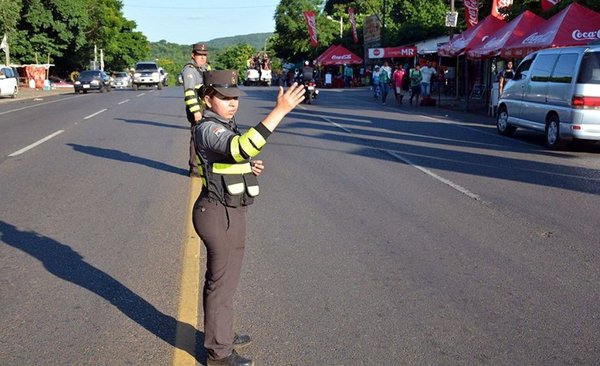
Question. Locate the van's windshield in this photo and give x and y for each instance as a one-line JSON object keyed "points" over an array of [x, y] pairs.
{"points": [[589, 72]]}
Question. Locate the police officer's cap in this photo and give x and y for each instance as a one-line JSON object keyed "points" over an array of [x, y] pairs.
{"points": [[200, 49], [223, 81]]}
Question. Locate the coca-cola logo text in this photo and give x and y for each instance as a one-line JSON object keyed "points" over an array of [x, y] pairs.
{"points": [[579, 35], [537, 38], [471, 11], [341, 57]]}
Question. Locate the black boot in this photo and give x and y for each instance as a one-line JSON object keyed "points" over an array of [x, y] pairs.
{"points": [[240, 341], [232, 360]]}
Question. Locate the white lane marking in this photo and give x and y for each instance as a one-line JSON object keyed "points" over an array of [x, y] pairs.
{"points": [[94, 114], [19, 152], [139, 95], [396, 155], [124, 101], [448, 182], [37, 105]]}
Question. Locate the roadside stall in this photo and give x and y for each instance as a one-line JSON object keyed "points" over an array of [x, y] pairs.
{"points": [[489, 49], [337, 56], [472, 88], [575, 25]]}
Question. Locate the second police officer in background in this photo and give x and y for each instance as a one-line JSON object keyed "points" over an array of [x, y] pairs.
{"points": [[192, 82]]}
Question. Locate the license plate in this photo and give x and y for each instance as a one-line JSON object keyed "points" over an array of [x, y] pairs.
{"points": [[311, 88], [85, 86]]}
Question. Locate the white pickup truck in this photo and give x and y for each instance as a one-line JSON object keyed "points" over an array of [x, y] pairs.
{"points": [[148, 74]]}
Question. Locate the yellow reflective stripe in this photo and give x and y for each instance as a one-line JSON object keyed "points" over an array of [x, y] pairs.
{"points": [[247, 146], [234, 147], [195, 108], [189, 93], [257, 139], [222, 168], [191, 102]]}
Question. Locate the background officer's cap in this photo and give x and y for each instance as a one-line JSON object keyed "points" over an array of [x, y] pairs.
{"points": [[199, 49], [223, 81]]}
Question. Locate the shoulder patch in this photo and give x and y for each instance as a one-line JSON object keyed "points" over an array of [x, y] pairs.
{"points": [[218, 130]]}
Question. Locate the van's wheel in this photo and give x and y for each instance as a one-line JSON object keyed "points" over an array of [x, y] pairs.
{"points": [[159, 86], [15, 92], [553, 139], [504, 128]]}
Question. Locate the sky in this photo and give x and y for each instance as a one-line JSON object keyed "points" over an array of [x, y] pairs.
{"points": [[187, 22]]}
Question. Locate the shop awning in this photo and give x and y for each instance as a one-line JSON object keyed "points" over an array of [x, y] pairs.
{"points": [[516, 29], [471, 37], [575, 25], [338, 56]]}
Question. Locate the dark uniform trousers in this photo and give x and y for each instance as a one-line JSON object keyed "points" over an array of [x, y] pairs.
{"points": [[222, 230]]}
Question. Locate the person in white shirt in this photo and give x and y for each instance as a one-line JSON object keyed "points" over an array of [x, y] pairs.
{"points": [[427, 72]]}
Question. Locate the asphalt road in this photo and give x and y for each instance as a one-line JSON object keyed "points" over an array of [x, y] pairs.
{"points": [[384, 235]]}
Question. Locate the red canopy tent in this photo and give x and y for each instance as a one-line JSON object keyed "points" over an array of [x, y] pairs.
{"points": [[325, 53], [575, 25], [515, 29], [338, 56], [471, 37]]}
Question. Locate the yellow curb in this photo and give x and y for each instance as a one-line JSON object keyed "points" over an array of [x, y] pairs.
{"points": [[189, 287]]}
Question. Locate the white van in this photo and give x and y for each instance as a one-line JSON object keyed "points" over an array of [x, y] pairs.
{"points": [[555, 91], [9, 84]]}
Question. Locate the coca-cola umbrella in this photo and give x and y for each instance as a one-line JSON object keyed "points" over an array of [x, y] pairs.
{"points": [[323, 55], [515, 29], [338, 56], [575, 25], [471, 37]]}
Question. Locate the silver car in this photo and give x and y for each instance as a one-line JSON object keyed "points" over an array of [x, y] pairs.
{"points": [[121, 80], [557, 92]]}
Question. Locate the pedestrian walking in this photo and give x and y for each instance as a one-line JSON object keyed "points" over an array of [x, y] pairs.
{"points": [[415, 83], [229, 186], [397, 78]]}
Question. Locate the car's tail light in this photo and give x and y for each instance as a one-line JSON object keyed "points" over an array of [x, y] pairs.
{"points": [[583, 102]]}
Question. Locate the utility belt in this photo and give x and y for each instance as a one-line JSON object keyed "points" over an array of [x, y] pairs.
{"points": [[234, 184]]}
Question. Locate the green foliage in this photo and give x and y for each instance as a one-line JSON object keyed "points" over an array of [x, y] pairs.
{"points": [[291, 41], [234, 58], [64, 32]]}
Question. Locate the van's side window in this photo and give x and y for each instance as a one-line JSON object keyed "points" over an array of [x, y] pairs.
{"points": [[543, 67], [523, 68], [589, 72], [565, 67]]}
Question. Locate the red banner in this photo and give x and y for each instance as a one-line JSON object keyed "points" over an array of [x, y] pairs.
{"points": [[471, 12], [547, 4], [312, 27], [353, 24], [499, 4]]}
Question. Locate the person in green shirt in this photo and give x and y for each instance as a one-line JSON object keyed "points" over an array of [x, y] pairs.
{"points": [[415, 83]]}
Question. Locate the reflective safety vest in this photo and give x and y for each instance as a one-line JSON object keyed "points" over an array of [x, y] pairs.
{"points": [[233, 184]]}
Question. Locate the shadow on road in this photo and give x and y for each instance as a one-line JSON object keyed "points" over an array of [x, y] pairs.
{"points": [[152, 123], [68, 265], [126, 157]]}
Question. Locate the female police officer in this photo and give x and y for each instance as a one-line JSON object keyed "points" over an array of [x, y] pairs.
{"points": [[229, 185]]}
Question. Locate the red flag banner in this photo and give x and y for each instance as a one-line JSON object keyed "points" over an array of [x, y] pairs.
{"points": [[312, 27], [353, 24], [547, 4], [471, 12], [499, 4]]}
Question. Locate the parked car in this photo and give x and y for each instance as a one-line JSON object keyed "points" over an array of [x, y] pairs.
{"points": [[9, 82], [148, 74], [121, 80], [92, 80], [555, 91]]}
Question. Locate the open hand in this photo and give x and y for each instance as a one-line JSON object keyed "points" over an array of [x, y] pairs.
{"points": [[288, 100]]}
